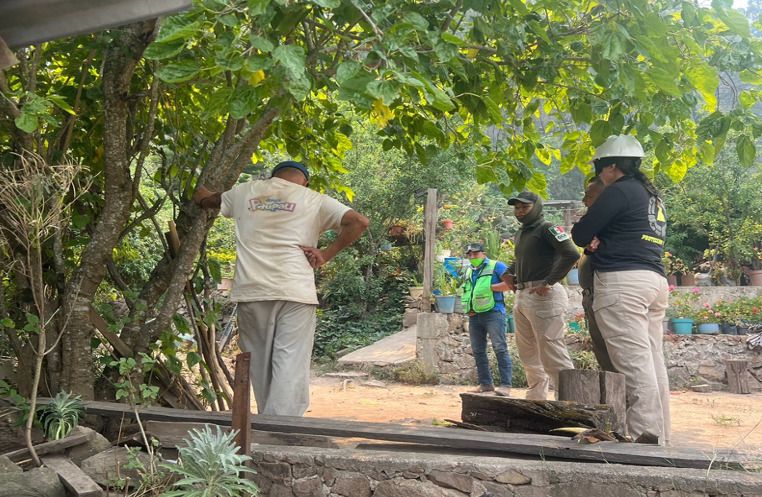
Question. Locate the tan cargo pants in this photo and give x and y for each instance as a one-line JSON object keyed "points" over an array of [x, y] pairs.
{"points": [[629, 308], [279, 335], [540, 327]]}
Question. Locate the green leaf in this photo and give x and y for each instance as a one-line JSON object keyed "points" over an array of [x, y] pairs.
{"points": [[292, 58], [7, 323], [80, 220], [451, 38], [705, 79], [386, 90], [177, 28], [439, 99], [328, 4], [599, 131], [192, 359], [485, 174], [178, 72], [160, 50], [664, 80], [733, 19], [581, 111], [537, 183], [417, 20], [61, 103], [261, 43], [746, 150], [26, 122]]}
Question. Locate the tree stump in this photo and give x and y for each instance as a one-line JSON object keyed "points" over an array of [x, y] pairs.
{"points": [[738, 378], [595, 387], [533, 416]]}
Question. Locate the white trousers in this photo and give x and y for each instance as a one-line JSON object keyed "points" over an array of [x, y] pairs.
{"points": [[279, 334], [540, 327], [629, 308]]}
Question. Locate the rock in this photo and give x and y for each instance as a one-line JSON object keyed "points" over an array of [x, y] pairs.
{"points": [[409, 488], [109, 467], [8, 466], [497, 489], [513, 477], [280, 490], [447, 479], [40, 482], [702, 388], [374, 383], [309, 487], [351, 484], [410, 317], [274, 470], [97, 444]]}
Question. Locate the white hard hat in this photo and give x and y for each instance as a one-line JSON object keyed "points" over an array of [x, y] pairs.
{"points": [[619, 146]]}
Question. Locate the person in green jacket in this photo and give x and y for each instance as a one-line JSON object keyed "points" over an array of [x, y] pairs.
{"points": [[484, 284]]}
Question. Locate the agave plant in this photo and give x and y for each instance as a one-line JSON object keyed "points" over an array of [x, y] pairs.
{"points": [[61, 415], [210, 466]]}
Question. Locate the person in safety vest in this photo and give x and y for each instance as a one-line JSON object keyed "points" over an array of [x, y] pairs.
{"points": [[483, 286], [624, 231], [278, 223], [544, 254]]}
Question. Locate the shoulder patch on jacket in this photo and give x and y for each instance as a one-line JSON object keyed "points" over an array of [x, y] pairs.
{"points": [[559, 233]]}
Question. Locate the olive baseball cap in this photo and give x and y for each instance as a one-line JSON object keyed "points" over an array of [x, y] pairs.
{"points": [[524, 198]]}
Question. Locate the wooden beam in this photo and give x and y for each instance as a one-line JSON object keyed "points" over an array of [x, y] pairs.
{"points": [[51, 447], [74, 479], [506, 443], [738, 378], [241, 416], [429, 239]]}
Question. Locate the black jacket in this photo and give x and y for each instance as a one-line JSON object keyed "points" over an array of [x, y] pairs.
{"points": [[631, 225]]}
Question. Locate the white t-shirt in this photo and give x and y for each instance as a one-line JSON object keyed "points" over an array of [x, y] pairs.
{"points": [[273, 218]]}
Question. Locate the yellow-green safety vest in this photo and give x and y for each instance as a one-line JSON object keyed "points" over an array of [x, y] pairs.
{"points": [[479, 297]]}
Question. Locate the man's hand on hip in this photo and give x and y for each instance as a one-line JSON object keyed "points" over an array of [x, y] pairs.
{"points": [[314, 256]]}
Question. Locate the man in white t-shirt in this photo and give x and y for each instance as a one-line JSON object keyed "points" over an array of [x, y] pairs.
{"points": [[278, 223]]}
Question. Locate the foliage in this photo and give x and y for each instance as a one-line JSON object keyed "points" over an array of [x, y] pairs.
{"points": [[518, 374], [126, 387], [210, 466], [20, 406], [446, 283], [414, 373], [61, 415], [707, 314], [720, 204], [584, 359], [337, 330], [683, 303], [746, 310], [673, 264]]}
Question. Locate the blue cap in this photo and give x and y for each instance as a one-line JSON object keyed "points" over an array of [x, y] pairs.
{"points": [[294, 165]]}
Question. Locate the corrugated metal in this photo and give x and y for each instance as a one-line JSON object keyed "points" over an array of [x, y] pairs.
{"points": [[27, 22]]}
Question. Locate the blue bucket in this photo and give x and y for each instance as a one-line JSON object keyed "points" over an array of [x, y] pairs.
{"points": [[709, 328], [682, 326], [446, 304], [572, 278]]}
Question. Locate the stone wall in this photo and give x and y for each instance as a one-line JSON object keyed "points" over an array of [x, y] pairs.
{"points": [[443, 347], [284, 471], [694, 359]]}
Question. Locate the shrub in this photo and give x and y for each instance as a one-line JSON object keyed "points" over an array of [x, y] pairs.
{"points": [[210, 466], [414, 373], [61, 415]]}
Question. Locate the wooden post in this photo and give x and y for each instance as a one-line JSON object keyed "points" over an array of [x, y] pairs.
{"points": [[738, 380], [242, 403], [429, 240], [596, 387]]}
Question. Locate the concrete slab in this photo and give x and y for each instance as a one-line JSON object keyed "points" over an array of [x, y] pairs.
{"points": [[394, 349]]}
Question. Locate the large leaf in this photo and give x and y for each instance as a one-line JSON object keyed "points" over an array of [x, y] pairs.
{"points": [[664, 80], [27, 122], [746, 150], [160, 50], [705, 80], [292, 58], [178, 72]]}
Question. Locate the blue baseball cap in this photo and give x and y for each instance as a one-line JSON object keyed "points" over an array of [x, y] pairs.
{"points": [[294, 165]]}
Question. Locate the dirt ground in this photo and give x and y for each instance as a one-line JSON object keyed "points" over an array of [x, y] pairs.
{"points": [[698, 420]]}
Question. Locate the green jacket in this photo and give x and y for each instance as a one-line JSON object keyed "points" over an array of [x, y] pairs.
{"points": [[479, 297]]}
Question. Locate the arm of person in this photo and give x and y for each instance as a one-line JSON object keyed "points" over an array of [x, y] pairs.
{"points": [[353, 224], [506, 282], [565, 258], [610, 204], [206, 198]]}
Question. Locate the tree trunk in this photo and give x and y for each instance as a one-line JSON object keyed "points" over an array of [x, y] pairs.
{"points": [[120, 61]]}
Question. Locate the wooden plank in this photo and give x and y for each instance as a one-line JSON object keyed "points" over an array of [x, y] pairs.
{"points": [[506, 443], [429, 239], [579, 385], [614, 395], [74, 479], [738, 379], [532, 416], [241, 416], [51, 447]]}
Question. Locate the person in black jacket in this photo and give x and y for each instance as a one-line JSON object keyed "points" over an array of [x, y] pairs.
{"points": [[544, 254], [624, 232]]}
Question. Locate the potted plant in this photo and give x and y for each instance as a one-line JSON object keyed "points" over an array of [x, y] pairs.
{"points": [[748, 313], [681, 310], [707, 320], [726, 314], [445, 290]]}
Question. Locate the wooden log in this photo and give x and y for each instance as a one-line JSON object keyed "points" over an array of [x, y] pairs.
{"points": [[430, 234], [532, 416], [242, 403], [614, 395], [738, 377], [74, 479], [579, 385]]}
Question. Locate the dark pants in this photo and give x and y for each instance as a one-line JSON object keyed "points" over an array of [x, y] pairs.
{"points": [[599, 345]]}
